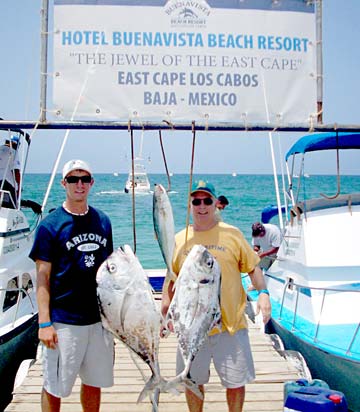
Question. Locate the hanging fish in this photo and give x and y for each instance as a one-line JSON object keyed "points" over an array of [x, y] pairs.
{"points": [[164, 227]]}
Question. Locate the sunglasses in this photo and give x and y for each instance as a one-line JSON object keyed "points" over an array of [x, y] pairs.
{"points": [[207, 201], [75, 179]]}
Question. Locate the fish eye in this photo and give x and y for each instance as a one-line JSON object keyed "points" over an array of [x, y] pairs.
{"points": [[210, 263], [111, 267]]}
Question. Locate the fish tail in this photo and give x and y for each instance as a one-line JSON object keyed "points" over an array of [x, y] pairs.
{"points": [[185, 380], [151, 385]]}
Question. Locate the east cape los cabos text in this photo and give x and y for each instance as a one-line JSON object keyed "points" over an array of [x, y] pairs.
{"points": [[170, 98]]}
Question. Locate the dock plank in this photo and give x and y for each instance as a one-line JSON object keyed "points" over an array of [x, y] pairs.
{"points": [[265, 394]]}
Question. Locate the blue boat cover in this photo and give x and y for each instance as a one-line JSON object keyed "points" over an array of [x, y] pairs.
{"points": [[269, 212], [325, 141]]}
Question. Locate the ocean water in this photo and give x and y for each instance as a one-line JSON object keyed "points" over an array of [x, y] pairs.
{"points": [[247, 194]]}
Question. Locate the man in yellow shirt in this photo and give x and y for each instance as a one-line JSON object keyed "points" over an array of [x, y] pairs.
{"points": [[230, 350]]}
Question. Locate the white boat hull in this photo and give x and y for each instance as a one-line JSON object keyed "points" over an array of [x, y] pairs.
{"points": [[315, 293], [19, 313]]}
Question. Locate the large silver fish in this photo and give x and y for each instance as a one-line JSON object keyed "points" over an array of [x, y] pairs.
{"points": [[164, 227], [195, 307], [128, 310]]}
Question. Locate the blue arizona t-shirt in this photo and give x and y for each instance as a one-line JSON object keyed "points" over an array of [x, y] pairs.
{"points": [[75, 246]]}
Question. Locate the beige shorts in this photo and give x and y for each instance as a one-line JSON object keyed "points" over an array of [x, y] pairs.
{"points": [[84, 351], [232, 359]]}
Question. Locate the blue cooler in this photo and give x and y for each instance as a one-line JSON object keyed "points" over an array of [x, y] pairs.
{"points": [[315, 399], [292, 386]]}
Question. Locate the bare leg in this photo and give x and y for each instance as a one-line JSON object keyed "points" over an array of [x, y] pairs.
{"points": [[49, 403], [90, 397], [235, 399], [195, 404]]}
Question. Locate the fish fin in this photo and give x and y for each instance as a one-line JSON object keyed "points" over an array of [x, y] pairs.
{"points": [[151, 385], [183, 379], [194, 388], [217, 324]]}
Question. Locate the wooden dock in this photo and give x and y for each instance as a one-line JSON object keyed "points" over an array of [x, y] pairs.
{"points": [[264, 394]]}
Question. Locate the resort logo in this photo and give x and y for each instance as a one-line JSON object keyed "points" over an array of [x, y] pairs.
{"points": [[187, 13]]}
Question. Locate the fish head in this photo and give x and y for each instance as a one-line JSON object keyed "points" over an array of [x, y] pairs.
{"points": [[116, 272], [159, 196], [159, 189], [206, 269]]}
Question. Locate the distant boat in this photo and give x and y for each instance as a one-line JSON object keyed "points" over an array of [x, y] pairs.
{"points": [[234, 174], [140, 180], [116, 174]]}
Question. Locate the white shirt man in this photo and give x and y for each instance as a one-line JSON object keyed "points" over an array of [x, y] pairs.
{"points": [[266, 240]]}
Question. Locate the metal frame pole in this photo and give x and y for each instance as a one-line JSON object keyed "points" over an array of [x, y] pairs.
{"points": [[319, 60], [43, 58]]}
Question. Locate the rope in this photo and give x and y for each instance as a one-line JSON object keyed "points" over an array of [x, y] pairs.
{"points": [[133, 184], [166, 168], [190, 182]]}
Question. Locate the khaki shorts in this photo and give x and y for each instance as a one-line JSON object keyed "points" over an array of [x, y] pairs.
{"points": [[87, 351], [232, 359]]}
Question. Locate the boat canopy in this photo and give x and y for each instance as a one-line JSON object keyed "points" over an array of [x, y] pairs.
{"points": [[325, 141]]}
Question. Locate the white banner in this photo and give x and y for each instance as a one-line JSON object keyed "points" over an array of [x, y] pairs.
{"points": [[207, 61]]}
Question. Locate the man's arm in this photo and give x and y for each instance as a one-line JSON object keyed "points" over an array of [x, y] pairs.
{"points": [[167, 295], [263, 303], [272, 251], [47, 335]]}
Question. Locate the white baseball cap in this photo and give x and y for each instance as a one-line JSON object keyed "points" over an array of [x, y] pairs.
{"points": [[75, 165]]}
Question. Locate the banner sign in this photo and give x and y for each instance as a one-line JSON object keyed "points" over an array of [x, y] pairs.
{"points": [[248, 61]]}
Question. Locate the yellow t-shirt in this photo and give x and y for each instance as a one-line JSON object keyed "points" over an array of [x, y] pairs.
{"points": [[234, 255]]}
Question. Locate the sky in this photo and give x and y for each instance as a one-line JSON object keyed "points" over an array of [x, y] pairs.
{"points": [[215, 152]]}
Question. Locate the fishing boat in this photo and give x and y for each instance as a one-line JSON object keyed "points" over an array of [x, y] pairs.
{"points": [[314, 283], [139, 180], [18, 309]]}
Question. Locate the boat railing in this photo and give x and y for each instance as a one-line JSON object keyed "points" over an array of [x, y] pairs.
{"points": [[6, 199], [291, 285], [311, 205], [21, 292]]}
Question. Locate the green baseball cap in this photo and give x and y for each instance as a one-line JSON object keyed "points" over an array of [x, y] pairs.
{"points": [[203, 186]]}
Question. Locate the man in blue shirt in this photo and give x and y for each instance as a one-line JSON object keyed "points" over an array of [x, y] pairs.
{"points": [[70, 245]]}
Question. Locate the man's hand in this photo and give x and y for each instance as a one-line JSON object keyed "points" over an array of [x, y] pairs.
{"points": [[166, 327], [48, 337], [264, 305]]}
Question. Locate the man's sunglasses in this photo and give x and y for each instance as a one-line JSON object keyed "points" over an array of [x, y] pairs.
{"points": [[75, 179], [207, 201]]}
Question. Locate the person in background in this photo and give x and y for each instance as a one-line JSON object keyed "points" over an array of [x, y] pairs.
{"points": [[222, 202], [266, 240], [70, 244], [10, 175], [230, 349]]}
